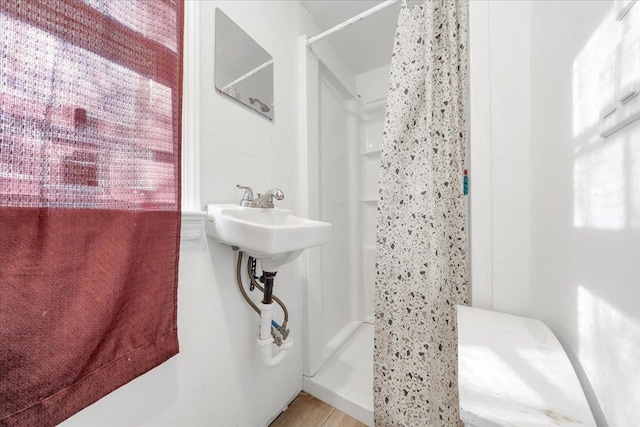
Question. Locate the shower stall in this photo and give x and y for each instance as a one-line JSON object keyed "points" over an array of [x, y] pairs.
{"points": [[344, 100], [342, 136]]}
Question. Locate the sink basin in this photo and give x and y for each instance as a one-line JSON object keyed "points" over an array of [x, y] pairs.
{"points": [[274, 236]]}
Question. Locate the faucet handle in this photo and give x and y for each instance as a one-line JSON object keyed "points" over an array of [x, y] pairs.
{"points": [[247, 197]]}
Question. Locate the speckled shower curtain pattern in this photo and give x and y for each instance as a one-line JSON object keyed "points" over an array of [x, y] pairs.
{"points": [[421, 252]]}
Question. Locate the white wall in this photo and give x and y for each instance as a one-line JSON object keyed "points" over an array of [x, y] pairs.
{"points": [[499, 154], [585, 216], [218, 378], [555, 208]]}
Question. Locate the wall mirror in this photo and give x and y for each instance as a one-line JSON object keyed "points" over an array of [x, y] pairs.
{"points": [[243, 69]]}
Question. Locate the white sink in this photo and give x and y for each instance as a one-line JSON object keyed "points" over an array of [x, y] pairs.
{"points": [[274, 236]]}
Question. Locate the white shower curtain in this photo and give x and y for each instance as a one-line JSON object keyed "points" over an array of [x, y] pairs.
{"points": [[421, 251]]}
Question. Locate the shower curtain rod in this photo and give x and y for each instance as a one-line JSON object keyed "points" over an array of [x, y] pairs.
{"points": [[350, 21], [246, 76]]}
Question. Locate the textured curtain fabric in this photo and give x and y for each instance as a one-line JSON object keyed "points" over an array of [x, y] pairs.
{"points": [[421, 251], [89, 199]]}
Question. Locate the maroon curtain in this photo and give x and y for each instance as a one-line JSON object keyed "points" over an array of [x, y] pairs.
{"points": [[89, 199]]}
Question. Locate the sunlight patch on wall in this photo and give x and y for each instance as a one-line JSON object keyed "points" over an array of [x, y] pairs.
{"points": [[591, 76], [599, 187], [606, 170], [609, 342]]}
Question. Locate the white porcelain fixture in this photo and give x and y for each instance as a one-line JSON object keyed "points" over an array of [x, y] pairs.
{"points": [[514, 372], [273, 236]]}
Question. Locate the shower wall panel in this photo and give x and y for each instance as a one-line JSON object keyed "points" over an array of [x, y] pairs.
{"points": [[335, 308], [372, 95], [345, 119]]}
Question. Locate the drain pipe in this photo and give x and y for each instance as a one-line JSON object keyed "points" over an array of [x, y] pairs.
{"points": [[266, 315], [265, 340], [251, 272], [266, 336]]}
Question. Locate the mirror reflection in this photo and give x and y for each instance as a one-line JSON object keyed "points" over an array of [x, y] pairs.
{"points": [[243, 69]]}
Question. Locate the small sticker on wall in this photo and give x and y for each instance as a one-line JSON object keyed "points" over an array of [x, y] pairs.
{"points": [[465, 184]]}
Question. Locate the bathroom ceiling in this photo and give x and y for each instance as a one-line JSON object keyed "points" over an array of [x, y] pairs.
{"points": [[365, 45]]}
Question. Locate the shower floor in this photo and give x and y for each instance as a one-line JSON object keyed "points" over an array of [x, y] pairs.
{"points": [[346, 380]]}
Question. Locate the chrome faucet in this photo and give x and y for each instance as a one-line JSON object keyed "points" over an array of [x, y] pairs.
{"points": [[247, 197], [264, 201]]}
